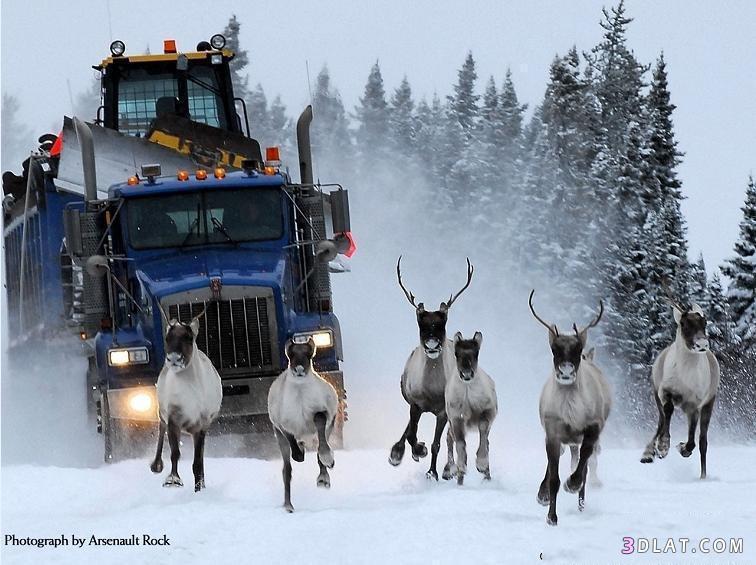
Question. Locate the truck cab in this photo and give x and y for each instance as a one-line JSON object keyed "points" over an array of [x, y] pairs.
{"points": [[165, 205]]}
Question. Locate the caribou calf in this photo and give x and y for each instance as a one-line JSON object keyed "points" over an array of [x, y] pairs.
{"points": [[425, 375], [470, 401], [685, 374], [574, 406], [189, 394], [302, 406]]}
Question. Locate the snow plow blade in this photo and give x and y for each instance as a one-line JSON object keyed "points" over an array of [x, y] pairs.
{"points": [[117, 157], [206, 145]]}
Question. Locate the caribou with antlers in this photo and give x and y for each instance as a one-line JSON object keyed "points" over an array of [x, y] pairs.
{"points": [[685, 374], [425, 375], [574, 406]]}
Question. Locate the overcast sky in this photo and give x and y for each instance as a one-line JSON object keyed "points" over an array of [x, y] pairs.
{"points": [[710, 49]]}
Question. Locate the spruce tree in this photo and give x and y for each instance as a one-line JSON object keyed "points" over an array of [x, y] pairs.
{"points": [[463, 105], [373, 118], [332, 145], [402, 121], [16, 138], [741, 270], [718, 315], [238, 64], [257, 110]]}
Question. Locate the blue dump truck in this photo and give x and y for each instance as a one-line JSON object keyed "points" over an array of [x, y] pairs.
{"points": [[165, 201]]}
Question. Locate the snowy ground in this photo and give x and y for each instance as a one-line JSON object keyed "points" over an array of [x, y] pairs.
{"points": [[375, 513]]}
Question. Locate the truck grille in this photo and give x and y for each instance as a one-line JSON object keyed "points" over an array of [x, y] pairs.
{"points": [[237, 334]]}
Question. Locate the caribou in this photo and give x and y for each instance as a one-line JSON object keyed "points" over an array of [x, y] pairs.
{"points": [[685, 374], [470, 401], [573, 408], [189, 394], [302, 406], [425, 375]]}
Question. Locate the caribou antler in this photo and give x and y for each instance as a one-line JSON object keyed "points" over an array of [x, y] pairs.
{"points": [[671, 298], [407, 293], [595, 321], [552, 328], [470, 271], [198, 316]]}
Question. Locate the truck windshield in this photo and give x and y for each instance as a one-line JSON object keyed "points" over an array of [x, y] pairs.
{"points": [[144, 93], [202, 218]]}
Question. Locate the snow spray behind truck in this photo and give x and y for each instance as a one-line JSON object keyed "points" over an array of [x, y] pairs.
{"points": [[165, 201]]}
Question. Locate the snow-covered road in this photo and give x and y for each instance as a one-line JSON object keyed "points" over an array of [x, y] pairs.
{"points": [[376, 514]]}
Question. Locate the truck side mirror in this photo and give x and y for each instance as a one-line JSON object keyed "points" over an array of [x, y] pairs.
{"points": [[340, 211]]}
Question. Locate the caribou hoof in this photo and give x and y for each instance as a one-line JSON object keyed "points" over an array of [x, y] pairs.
{"points": [[419, 451], [157, 466], [288, 507], [662, 447], [432, 474], [543, 497], [460, 479], [682, 447], [449, 472], [324, 481], [573, 484], [581, 503], [551, 520], [173, 481], [397, 452], [647, 458], [199, 485]]}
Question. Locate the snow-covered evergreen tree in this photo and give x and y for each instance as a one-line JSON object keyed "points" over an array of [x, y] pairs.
{"points": [[238, 64], [463, 104], [402, 120], [331, 138], [698, 283], [718, 315], [16, 138], [257, 111], [741, 270], [373, 119]]}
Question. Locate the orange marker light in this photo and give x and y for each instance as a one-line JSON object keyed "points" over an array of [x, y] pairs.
{"points": [[201, 174], [169, 46], [270, 170], [132, 181], [182, 175], [220, 172], [272, 154]]}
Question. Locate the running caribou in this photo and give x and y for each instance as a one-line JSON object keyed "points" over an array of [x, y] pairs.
{"points": [[425, 375], [573, 408], [470, 401], [302, 405], [685, 374], [189, 394]]}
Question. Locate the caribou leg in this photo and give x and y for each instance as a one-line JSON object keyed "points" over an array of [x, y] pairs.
{"points": [[198, 466], [157, 464], [441, 420], [174, 433], [458, 430], [593, 466], [325, 453], [662, 445], [576, 481], [410, 436], [285, 447], [450, 469], [686, 449], [650, 452], [703, 435], [481, 457], [543, 491], [552, 453], [574, 457]]}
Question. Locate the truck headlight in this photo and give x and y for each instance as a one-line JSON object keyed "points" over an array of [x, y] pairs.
{"points": [[141, 402], [130, 356], [322, 338]]}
